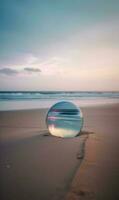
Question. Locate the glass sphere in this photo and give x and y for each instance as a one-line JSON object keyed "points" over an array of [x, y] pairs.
{"points": [[64, 119]]}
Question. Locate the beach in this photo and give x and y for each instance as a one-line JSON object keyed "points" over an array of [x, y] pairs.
{"points": [[98, 176], [36, 165]]}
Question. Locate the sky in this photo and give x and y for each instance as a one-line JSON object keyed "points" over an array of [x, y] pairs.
{"points": [[59, 45]]}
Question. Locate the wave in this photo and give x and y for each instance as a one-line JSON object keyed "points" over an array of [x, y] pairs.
{"points": [[22, 95]]}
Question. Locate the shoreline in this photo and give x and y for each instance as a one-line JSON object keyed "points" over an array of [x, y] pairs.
{"points": [[17, 105], [98, 105]]}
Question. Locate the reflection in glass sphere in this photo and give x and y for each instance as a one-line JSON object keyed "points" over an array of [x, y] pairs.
{"points": [[64, 119]]}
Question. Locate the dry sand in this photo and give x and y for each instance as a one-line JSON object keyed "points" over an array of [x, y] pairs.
{"points": [[36, 166], [33, 164], [98, 176]]}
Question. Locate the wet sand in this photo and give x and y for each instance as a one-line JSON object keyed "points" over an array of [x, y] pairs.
{"points": [[98, 176], [35, 165]]}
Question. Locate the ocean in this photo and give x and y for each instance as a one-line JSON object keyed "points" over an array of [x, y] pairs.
{"points": [[20, 100]]}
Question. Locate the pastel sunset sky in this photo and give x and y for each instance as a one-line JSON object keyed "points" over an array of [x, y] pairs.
{"points": [[59, 45]]}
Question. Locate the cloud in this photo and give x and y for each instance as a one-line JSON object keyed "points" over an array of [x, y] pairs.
{"points": [[8, 71], [31, 69]]}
